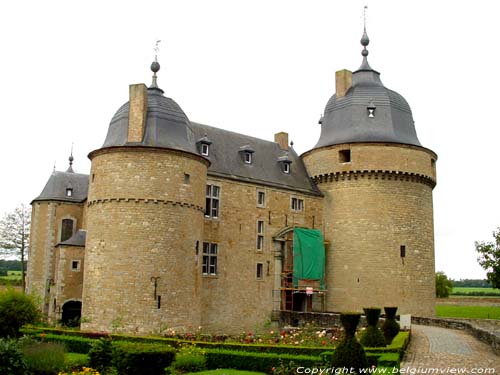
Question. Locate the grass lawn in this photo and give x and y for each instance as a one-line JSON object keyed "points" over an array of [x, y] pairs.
{"points": [[472, 312], [222, 371], [475, 290]]}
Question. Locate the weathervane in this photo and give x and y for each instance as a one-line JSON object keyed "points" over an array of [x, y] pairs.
{"points": [[157, 49], [364, 17], [155, 66]]}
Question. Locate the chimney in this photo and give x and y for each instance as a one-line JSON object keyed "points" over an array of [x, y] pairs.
{"points": [[138, 112], [343, 82], [281, 139]]}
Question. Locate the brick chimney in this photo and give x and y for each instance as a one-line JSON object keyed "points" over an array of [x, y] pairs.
{"points": [[281, 139], [138, 112], [343, 82]]}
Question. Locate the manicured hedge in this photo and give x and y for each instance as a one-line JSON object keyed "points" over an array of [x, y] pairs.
{"points": [[259, 362], [141, 359], [73, 344]]}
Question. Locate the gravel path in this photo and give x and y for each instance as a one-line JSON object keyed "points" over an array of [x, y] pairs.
{"points": [[449, 351]]}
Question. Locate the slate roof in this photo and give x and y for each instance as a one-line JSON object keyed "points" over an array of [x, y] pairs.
{"points": [[55, 188], [77, 239], [225, 155]]}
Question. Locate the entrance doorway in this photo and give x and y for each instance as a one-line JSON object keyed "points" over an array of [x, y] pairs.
{"points": [[71, 313]]}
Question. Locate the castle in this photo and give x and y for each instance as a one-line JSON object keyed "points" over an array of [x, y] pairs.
{"points": [[184, 225]]}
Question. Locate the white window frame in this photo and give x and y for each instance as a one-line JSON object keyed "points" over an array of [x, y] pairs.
{"points": [[77, 269], [247, 156], [286, 168], [209, 259], [297, 204], [205, 149], [69, 192], [261, 193], [212, 201], [260, 235]]}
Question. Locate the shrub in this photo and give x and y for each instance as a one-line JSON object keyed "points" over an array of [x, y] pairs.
{"points": [[189, 359], [101, 354], [73, 344], [44, 358], [75, 361], [141, 359], [11, 359], [16, 310], [372, 336], [390, 326], [84, 371], [350, 353]]}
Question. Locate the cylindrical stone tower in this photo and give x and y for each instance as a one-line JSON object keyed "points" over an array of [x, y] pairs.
{"points": [[145, 220], [377, 181]]}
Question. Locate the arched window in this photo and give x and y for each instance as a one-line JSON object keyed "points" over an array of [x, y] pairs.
{"points": [[66, 229]]}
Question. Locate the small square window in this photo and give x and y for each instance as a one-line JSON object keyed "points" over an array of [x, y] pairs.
{"points": [[261, 199], [260, 271], [75, 265], [69, 192], [204, 149], [345, 156], [248, 157]]}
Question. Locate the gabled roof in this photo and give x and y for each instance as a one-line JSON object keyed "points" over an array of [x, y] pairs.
{"points": [[56, 187], [77, 239], [227, 161]]}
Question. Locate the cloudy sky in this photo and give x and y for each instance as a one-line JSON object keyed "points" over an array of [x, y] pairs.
{"points": [[257, 67]]}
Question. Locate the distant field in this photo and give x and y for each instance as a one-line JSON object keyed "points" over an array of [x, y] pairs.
{"points": [[12, 275], [471, 312], [475, 291]]}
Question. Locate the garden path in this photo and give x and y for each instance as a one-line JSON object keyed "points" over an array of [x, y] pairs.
{"points": [[449, 351]]}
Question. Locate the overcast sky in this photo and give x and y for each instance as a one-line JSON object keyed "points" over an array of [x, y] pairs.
{"points": [[257, 67]]}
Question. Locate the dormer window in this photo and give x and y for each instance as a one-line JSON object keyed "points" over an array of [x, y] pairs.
{"points": [[286, 168], [203, 145], [371, 109], [247, 154], [285, 163], [69, 192]]}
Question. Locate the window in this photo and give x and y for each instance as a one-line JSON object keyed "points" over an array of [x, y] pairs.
{"points": [[248, 157], [204, 149], [344, 156], [212, 201], [69, 192], [66, 229], [286, 168], [75, 265], [297, 204], [209, 259], [187, 177], [260, 235], [260, 271], [261, 199]]}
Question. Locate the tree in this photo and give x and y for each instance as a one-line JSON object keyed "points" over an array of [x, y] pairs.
{"points": [[443, 285], [15, 234], [16, 310], [489, 258]]}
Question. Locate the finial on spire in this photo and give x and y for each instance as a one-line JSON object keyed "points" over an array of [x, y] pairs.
{"points": [[70, 168], [364, 42], [155, 66]]}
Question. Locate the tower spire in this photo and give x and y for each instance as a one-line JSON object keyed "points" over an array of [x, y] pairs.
{"points": [[365, 40], [155, 67], [70, 168]]}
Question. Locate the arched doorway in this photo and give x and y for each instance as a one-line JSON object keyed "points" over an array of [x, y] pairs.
{"points": [[71, 313]]}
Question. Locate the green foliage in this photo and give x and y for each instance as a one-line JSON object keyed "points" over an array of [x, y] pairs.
{"points": [[471, 312], [11, 358], [75, 361], [141, 359], [444, 286], [73, 344], [471, 283], [350, 322], [101, 354], [390, 328], [44, 358], [372, 336], [489, 258], [350, 354], [475, 292], [16, 310], [226, 371], [189, 358], [261, 362]]}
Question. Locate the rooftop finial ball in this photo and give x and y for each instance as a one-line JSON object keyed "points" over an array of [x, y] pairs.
{"points": [[155, 66]]}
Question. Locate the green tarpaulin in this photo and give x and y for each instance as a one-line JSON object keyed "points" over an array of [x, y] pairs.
{"points": [[308, 256]]}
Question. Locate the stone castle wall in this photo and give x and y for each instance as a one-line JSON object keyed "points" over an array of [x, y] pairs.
{"points": [[375, 203], [235, 299], [145, 217]]}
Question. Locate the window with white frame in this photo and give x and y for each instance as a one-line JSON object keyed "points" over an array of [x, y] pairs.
{"points": [[286, 168], [247, 157], [75, 265], [260, 271], [212, 201], [260, 234], [297, 204], [69, 192], [204, 149], [210, 251], [261, 198]]}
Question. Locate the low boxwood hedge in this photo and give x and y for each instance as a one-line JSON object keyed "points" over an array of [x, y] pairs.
{"points": [[141, 359], [73, 344]]}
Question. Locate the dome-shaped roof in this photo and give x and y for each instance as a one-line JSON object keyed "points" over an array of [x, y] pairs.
{"points": [[166, 125], [368, 112]]}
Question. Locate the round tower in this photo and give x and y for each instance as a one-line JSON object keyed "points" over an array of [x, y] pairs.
{"points": [[145, 219], [377, 180]]}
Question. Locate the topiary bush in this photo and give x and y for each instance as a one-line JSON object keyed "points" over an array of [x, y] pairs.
{"points": [[141, 359], [350, 353], [189, 358], [390, 326], [372, 336], [101, 355], [16, 310], [11, 358]]}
